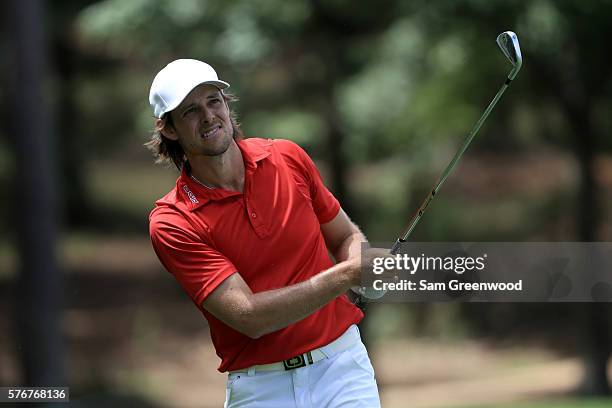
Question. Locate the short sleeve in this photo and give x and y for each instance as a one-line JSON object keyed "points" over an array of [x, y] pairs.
{"points": [[197, 267], [325, 205]]}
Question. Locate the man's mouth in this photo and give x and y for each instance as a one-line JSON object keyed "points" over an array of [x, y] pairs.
{"points": [[211, 132]]}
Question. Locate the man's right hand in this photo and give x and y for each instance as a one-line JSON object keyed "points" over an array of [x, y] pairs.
{"points": [[365, 264]]}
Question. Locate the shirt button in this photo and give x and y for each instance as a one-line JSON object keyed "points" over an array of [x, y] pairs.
{"points": [[253, 215]]}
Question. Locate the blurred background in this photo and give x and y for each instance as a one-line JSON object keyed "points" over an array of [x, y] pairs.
{"points": [[381, 94]]}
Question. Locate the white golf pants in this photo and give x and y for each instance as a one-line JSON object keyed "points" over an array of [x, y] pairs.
{"points": [[340, 379]]}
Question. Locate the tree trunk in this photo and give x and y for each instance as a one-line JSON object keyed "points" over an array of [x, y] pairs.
{"points": [[336, 159], [37, 294], [594, 342], [576, 103], [595, 345], [76, 204], [593, 323]]}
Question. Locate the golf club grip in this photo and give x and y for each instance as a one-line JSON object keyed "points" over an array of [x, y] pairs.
{"points": [[395, 249]]}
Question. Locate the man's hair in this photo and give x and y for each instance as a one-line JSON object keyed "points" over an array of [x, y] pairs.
{"points": [[170, 151]]}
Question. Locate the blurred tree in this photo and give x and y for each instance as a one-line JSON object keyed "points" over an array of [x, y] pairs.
{"points": [[329, 38], [286, 45], [566, 71], [38, 290], [68, 62], [580, 77]]}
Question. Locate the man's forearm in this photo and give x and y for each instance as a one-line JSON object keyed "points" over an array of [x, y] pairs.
{"points": [[275, 309], [350, 247]]}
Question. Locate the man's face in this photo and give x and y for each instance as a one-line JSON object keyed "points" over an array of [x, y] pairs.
{"points": [[202, 123]]}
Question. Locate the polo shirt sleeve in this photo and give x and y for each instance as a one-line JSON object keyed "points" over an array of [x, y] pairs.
{"points": [[197, 267], [325, 205]]}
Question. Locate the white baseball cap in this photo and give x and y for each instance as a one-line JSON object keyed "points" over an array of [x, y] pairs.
{"points": [[173, 83]]}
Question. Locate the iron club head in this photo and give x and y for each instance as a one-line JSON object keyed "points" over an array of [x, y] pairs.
{"points": [[509, 44]]}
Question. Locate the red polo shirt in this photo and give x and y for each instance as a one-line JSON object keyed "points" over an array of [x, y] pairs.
{"points": [[270, 234]]}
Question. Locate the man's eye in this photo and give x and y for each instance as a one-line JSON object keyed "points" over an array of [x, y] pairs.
{"points": [[215, 101], [188, 111]]}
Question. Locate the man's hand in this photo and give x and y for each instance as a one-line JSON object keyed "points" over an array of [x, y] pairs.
{"points": [[345, 242], [366, 266]]}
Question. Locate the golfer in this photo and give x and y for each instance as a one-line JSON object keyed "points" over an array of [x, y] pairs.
{"points": [[247, 232]]}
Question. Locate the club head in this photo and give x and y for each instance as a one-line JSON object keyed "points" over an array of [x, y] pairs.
{"points": [[509, 44]]}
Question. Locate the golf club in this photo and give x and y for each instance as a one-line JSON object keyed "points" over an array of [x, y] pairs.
{"points": [[509, 44]]}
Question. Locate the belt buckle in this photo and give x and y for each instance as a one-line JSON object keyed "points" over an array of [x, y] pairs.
{"points": [[298, 361]]}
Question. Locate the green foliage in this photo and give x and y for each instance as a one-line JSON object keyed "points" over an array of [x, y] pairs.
{"points": [[146, 27], [425, 76], [241, 32], [544, 27], [302, 127], [403, 81]]}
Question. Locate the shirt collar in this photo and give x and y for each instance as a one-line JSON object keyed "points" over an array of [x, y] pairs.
{"points": [[196, 195], [254, 150]]}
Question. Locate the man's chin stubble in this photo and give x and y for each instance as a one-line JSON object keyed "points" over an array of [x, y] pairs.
{"points": [[216, 152]]}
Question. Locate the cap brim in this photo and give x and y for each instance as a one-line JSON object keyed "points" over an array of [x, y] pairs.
{"points": [[219, 84]]}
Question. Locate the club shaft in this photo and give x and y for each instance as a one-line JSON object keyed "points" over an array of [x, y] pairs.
{"points": [[449, 168]]}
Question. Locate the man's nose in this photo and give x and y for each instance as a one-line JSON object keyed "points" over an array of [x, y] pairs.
{"points": [[207, 115]]}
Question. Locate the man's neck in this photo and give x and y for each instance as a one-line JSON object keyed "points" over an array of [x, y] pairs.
{"points": [[224, 171]]}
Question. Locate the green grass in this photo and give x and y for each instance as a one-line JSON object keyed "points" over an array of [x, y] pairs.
{"points": [[564, 403]]}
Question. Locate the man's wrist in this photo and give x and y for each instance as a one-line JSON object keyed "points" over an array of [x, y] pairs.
{"points": [[339, 278], [353, 271]]}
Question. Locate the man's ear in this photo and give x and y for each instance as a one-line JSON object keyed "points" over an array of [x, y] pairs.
{"points": [[167, 130]]}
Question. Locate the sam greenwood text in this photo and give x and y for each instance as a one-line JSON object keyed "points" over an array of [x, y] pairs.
{"points": [[453, 285]]}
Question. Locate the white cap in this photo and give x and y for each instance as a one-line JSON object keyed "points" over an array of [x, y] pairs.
{"points": [[173, 83]]}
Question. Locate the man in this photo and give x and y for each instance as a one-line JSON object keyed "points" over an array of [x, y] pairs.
{"points": [[246, 233]]}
